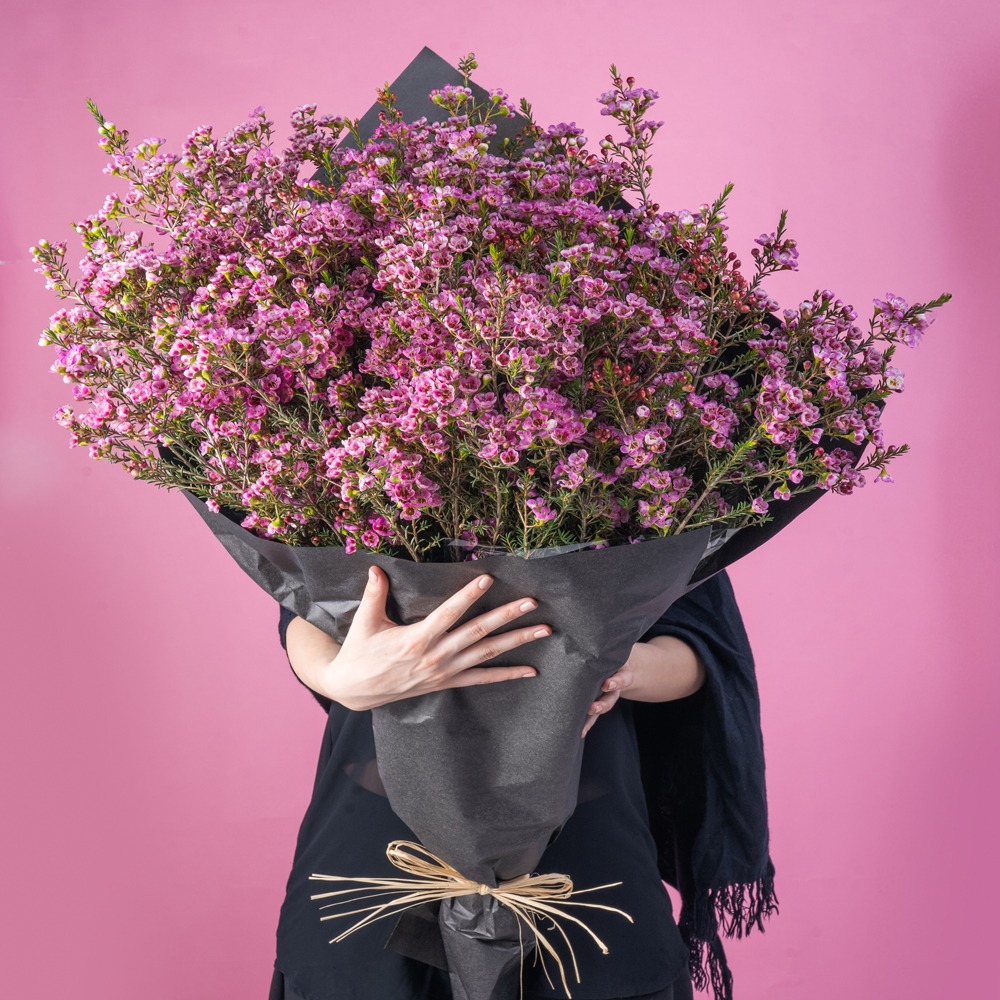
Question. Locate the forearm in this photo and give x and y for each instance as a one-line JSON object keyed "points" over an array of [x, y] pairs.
{"points": [[309, 650], [663, 669]]}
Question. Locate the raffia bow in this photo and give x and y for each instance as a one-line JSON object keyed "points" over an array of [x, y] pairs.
{"points": [[529, 897]]}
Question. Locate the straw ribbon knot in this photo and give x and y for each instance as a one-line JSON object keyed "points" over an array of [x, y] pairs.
{"points": [[529, 897]]}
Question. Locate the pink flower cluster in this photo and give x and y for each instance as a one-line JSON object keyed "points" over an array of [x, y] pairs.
{"points": [[433, 341]]}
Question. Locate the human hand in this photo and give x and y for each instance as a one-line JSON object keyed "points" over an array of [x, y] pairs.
{"points": [[664, 669], [612, 690], [381, 661]]}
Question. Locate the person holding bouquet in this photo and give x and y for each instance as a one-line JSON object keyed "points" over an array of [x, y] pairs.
{"points": [[457, 334], [380, 662]]}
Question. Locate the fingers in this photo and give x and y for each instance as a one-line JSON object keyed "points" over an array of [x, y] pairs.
{"points": [[473, 642], [602, 706], [430, 658], [444, 616], [620, 680], [371, 610], [612, 690], [490, 675]]}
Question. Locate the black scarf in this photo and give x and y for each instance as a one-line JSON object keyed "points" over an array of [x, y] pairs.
{"points": [[702, 762]]}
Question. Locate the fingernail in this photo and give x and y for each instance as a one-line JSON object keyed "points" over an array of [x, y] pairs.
{"points": [[532, 674], [610, 685], [539, 632], [485, 581], [371, 574], [528, 605]]}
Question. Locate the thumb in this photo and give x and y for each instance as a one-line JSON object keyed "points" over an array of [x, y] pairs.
{"points": [[371, 610]]}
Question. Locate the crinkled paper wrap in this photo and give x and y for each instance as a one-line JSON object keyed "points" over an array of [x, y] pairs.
{"points": [[485, 776]]}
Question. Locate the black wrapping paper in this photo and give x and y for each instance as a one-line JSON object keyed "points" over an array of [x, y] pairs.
{"points": [[426, 72], [485, 776]]}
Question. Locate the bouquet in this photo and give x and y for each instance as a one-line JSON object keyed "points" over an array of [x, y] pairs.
{"points": [[444, 342]]}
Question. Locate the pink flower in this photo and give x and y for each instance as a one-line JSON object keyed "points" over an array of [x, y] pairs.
{"points": [[339, 352]]}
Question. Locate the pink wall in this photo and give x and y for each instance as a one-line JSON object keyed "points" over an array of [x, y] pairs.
{"points": [[157, 751]]}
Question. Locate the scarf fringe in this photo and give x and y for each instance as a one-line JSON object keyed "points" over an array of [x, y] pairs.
{"points": [[734, 910]]}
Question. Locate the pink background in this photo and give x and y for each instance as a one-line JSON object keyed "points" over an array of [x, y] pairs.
{"points": [[158, 753]]}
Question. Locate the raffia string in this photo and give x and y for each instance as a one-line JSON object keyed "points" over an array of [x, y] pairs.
{"points": [[529, 897]]}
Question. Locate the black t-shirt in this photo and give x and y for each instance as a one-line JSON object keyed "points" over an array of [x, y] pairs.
{"points": [[607, 839]]}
